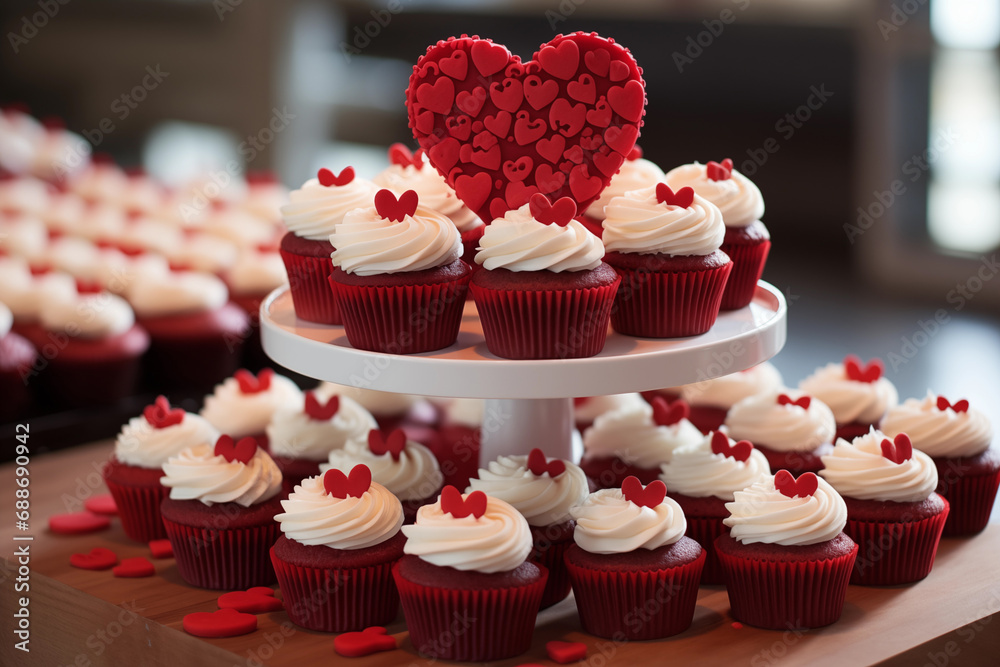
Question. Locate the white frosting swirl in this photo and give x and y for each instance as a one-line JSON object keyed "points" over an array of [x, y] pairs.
{"points": [[939, 433], [198, 474], [237, 414], [102, 222], [379, 403], [315, 518], [606, 523], [142, 444], [88, 316], [99, 182], [117, 272], [783, 428], [850, 400], [498, 541], [543, 500], [239, 227], [633, 175], [368, 244], [152, 235], [265, 200], [25, 237], [723, 392], [178, 293], [26, 294], [256, 273], [630, 434], [295, 434], [859, 470], [204, 252], [314, 210], [416, 475], [699, 472], [638, 223], [595, 406], [518, 242], [762, 514], [24, 195], [737, 197], [78, 257]]}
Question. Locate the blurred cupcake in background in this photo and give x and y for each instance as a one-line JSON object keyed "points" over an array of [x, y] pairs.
{"points": [[244, 404], [24, 293], [710, 400], [858, 394], [414, 414], [635, 173], [588, 408]]}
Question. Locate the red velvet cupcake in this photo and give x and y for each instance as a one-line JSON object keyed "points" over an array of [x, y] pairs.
{"points": [[544, 292], [312, 214], [459, 439], [220, 513], [25, 291], [254, 275], [243, 405], [635, 575], [334, 559], [17, 358], [134, 471], [858, 394], [710, 400], [466, 565]]}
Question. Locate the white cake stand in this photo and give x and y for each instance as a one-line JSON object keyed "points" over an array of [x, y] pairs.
{"points": [[529, 403]]}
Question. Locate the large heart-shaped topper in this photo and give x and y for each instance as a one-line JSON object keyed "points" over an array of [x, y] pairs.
{"points": [[250, 384], [650, 496], [957, 406], [391, 208], [472, 505], [321, 411], [787, 485], [160, 415], [394, 444], [548, 213], [339, 485], [803, 402], [858, 372], [738, 450], [899, 449], [231, 450], [499, 130], [538, 464], [668, 414]]}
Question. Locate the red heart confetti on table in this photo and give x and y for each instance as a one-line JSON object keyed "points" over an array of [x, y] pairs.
{"points": [[859, 372], [78, 523], [548, 213], [102, 504], [160, 414], [256, 600], [719, 172], [538, 464], [221, 623], [161, 549], [957, 406], [339, 485], [250, 384], [368, 641], [565, 652], [650, 496], [899, 449], [452, 503], [683, 197], [573, 111], [400, 155], [393, 445], [739, 450], [391, 208], [321, 411], [99, 558], [787, 485], [134, 568], [668, 414], [231, 450], [328, 179], [803, 402]]}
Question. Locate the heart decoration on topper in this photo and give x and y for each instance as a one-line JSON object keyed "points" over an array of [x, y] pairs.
{"points": [[804, 402], [538, 464], [401, 156], [254, 385], [472, 505], [684, 197], [738, 450], [957, 406], [500, 130], [328, 179], [548, 213], [862, 373], [719, 172], [668, 414], [650, 496], [804, 486], [899, 449], [320, 411], [161, 415], [231, 450], [394, 444], [391, 208], [339, 485]]}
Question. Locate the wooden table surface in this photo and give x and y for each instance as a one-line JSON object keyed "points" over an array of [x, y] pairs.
{"points": [[85, 618]]}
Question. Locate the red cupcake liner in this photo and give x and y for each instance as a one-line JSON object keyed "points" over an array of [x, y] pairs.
{"points": [[229, 558], [545, 324], [337, 600], [139, 510], [748, 265], [470, 624], [308, 283], [971, 498], [637, 605], [402, 319], [787, 595], [895, 552], [551, 556], [660, 304], [704, 530]]}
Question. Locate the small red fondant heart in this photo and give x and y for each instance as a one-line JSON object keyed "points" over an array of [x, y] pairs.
{"points": [[394, 209], [99, 558], [402, 156], [719, 172], [160, 415], [366, 642], [231, 450], [738, 450], [682, 198], [650, 496], [787, 485], [339, 485], [803, 402], [77, 523], [321, 411], [634, 154], [862, 373], [134, 568], [547, 213], [249, 384], [668, 414], [88, 287], [256, 600], [957, 406], [103, 504], [581, 400], [538, 464], [899, 449], [328, 179], [565, 652], [394, 444], [221, 623], [161, 549], [452, 503]]}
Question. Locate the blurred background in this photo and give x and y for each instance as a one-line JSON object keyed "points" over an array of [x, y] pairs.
{"points": [[872, 128]]}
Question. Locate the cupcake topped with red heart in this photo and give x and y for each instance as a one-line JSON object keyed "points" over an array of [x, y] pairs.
{"points": [[858, 393], [588, 408], [716, 466], [658, 220], [160, 432], [612, 521], [710, 400], [244, 404], [876, 467], [635, 173], [230, 471], [316, 208], [939, 427]]}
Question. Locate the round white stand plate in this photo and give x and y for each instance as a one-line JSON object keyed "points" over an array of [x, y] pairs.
{"points": [[530, 400]]}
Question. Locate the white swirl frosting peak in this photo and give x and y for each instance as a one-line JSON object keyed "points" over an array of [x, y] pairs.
{"points": [[630, 434], [518, 242], [737, 197], [414, 476], [762, 514], [699, 472], [543, 500], [314, 210], [725, 391], [142, 444], [197, 473], [859, 470], [88, 316], [295, 434], [607, 523], [850, 400], [238, 414], [633, 175], [939, 433], [638, 223], [789, 427]]}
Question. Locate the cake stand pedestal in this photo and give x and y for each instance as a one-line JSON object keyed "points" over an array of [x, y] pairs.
{"points": [[528, 401]]}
